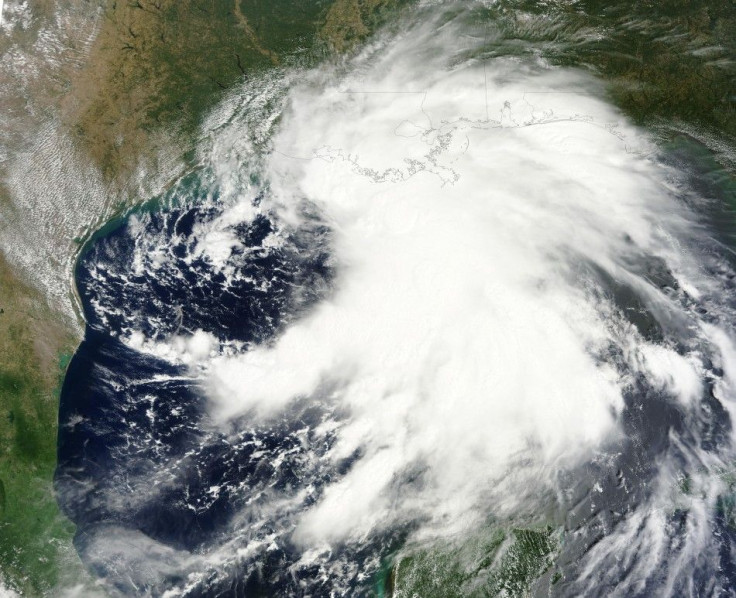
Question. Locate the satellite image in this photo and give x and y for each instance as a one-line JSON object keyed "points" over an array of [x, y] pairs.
{"points": [[373, 298]]}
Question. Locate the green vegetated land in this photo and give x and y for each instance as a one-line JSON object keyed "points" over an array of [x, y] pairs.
{"points": [[665, 59], [153, 71], [669, 65], [496, 561], [36, 554], [157, 66]]}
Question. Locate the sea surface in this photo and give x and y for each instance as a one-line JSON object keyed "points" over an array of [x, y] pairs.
{"points": [[284, 386]]}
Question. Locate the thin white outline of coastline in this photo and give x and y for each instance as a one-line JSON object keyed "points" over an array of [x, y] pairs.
{"points": [[488, 123]]}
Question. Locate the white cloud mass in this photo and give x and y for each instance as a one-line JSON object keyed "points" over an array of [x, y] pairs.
{"points": [[473, 355], [462, 339]]}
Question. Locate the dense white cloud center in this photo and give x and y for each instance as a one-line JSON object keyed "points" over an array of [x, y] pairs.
{"points": [[458, 338]]}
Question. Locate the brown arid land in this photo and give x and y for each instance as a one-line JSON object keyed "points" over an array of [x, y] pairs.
{"points": [[102, 102]]}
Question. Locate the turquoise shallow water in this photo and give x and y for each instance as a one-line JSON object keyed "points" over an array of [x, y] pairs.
{"points": [[209, 509]]}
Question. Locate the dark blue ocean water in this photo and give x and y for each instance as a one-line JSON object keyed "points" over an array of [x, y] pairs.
{"points": [[164, 498], [137, 451]]}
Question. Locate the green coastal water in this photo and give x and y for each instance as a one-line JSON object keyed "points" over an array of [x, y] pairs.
{"points": [[670, 66]]}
